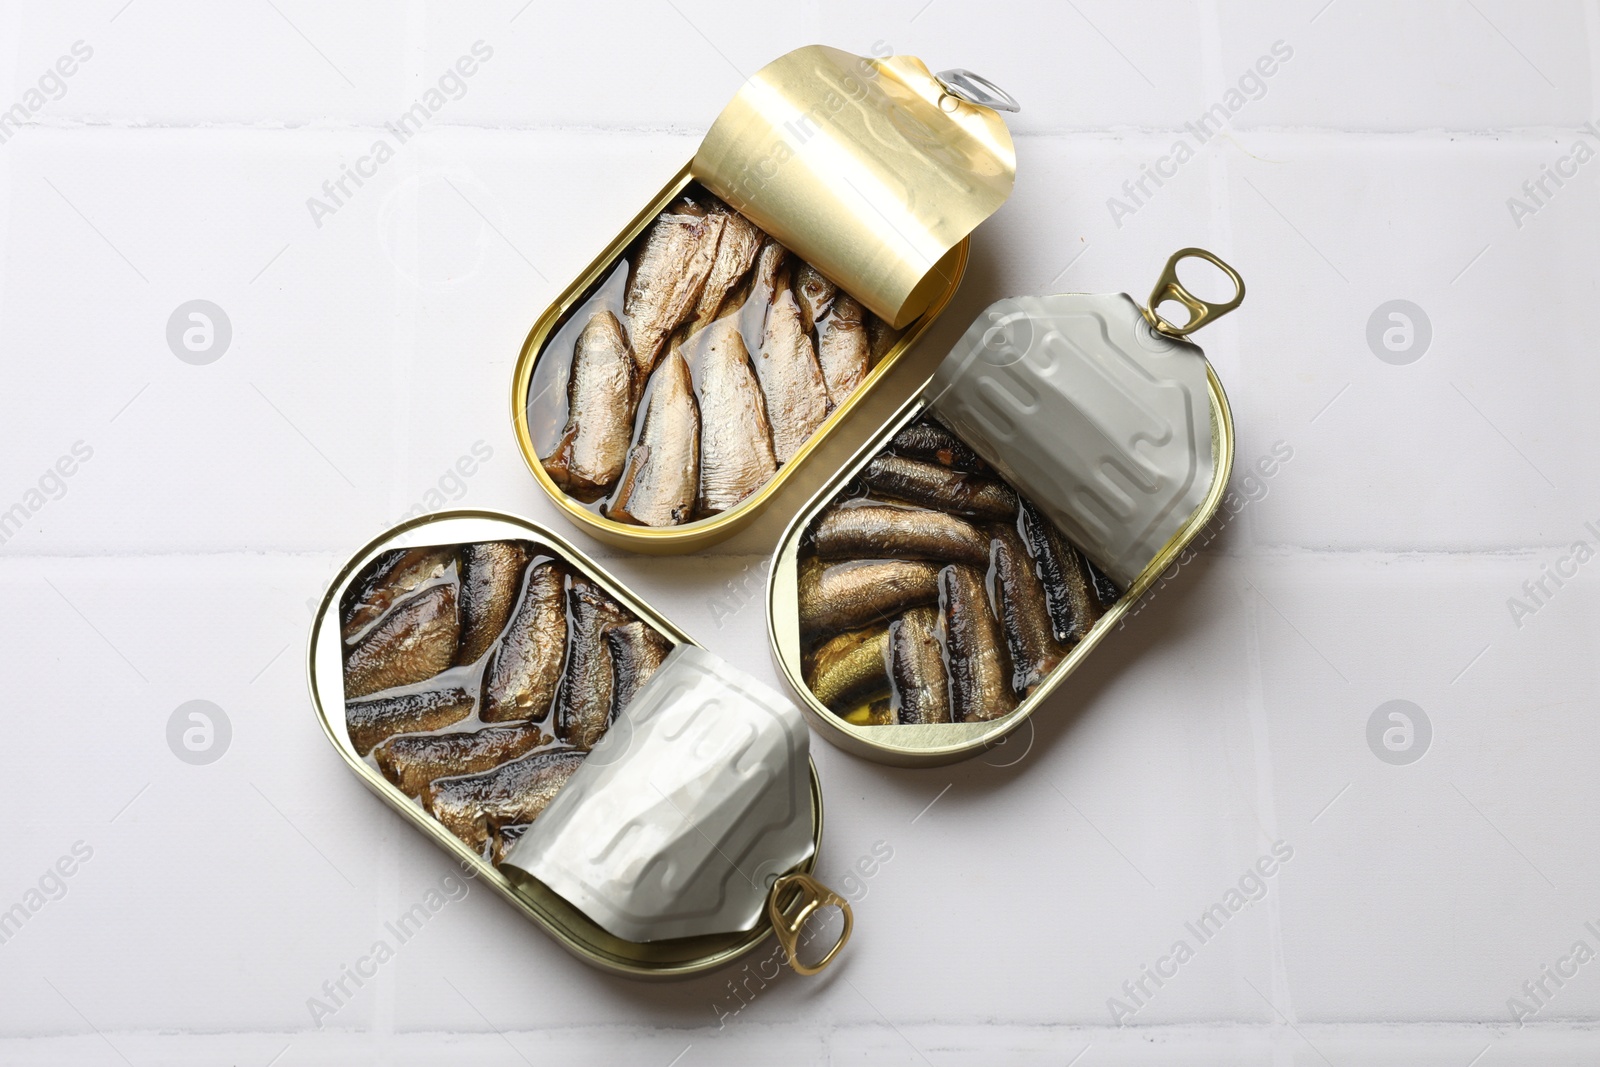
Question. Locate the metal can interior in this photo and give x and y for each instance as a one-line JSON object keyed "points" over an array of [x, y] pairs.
{"points": [[702, 533], [934, 744], [571, 929]]}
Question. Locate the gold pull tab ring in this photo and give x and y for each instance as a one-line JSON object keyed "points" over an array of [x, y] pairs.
{"points": [[789, 916], [1168, 288]]}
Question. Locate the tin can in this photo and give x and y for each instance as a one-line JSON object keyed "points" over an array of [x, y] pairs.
{"points": [[570, 927], [871, 171], [1075, 401]]}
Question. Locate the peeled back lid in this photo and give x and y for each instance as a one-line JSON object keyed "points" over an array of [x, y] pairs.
{"points": [[871, 170], [1096, 409], [685, 813]]}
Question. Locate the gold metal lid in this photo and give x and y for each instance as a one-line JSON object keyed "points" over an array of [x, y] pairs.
{"points": [[871, 170]]}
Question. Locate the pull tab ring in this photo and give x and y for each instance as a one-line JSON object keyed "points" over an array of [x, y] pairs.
{"points": [[976, 89], [1200, 312], [789, 918]]}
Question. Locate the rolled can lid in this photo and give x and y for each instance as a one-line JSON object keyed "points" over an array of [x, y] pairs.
{"points": [[1100, 420], [870, 169], [686, 812]]}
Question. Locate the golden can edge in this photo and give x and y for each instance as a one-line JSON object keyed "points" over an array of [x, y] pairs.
{"points": [[936, 744], [568, 927], [703, 533]]}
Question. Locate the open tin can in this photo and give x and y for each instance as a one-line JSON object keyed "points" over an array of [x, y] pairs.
{"points": [[458, 726], [666, 395], [993, 532]]}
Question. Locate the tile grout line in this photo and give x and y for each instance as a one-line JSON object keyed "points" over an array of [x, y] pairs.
{"points": [[1220, 166], [404, 337]]}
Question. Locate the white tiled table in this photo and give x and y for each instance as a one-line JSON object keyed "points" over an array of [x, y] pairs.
{"points": [[370, 352]]}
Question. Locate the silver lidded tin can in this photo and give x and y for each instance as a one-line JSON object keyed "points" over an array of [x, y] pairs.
{"points": [[822, 225], [983, 542], [469, 665]]}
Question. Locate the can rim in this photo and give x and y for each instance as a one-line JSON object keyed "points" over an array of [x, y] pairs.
{"points": [[531, 899]]}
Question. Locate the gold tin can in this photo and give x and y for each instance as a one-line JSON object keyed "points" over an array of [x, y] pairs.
{"points": [[570, 928], [872, 170], [917, 745]]}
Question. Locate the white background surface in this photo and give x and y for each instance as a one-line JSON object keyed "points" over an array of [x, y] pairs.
{"points": [[371, 352]]}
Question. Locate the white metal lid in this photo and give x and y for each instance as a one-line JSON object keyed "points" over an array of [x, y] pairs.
{"points": [[687, 811], [1093, 407]]}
